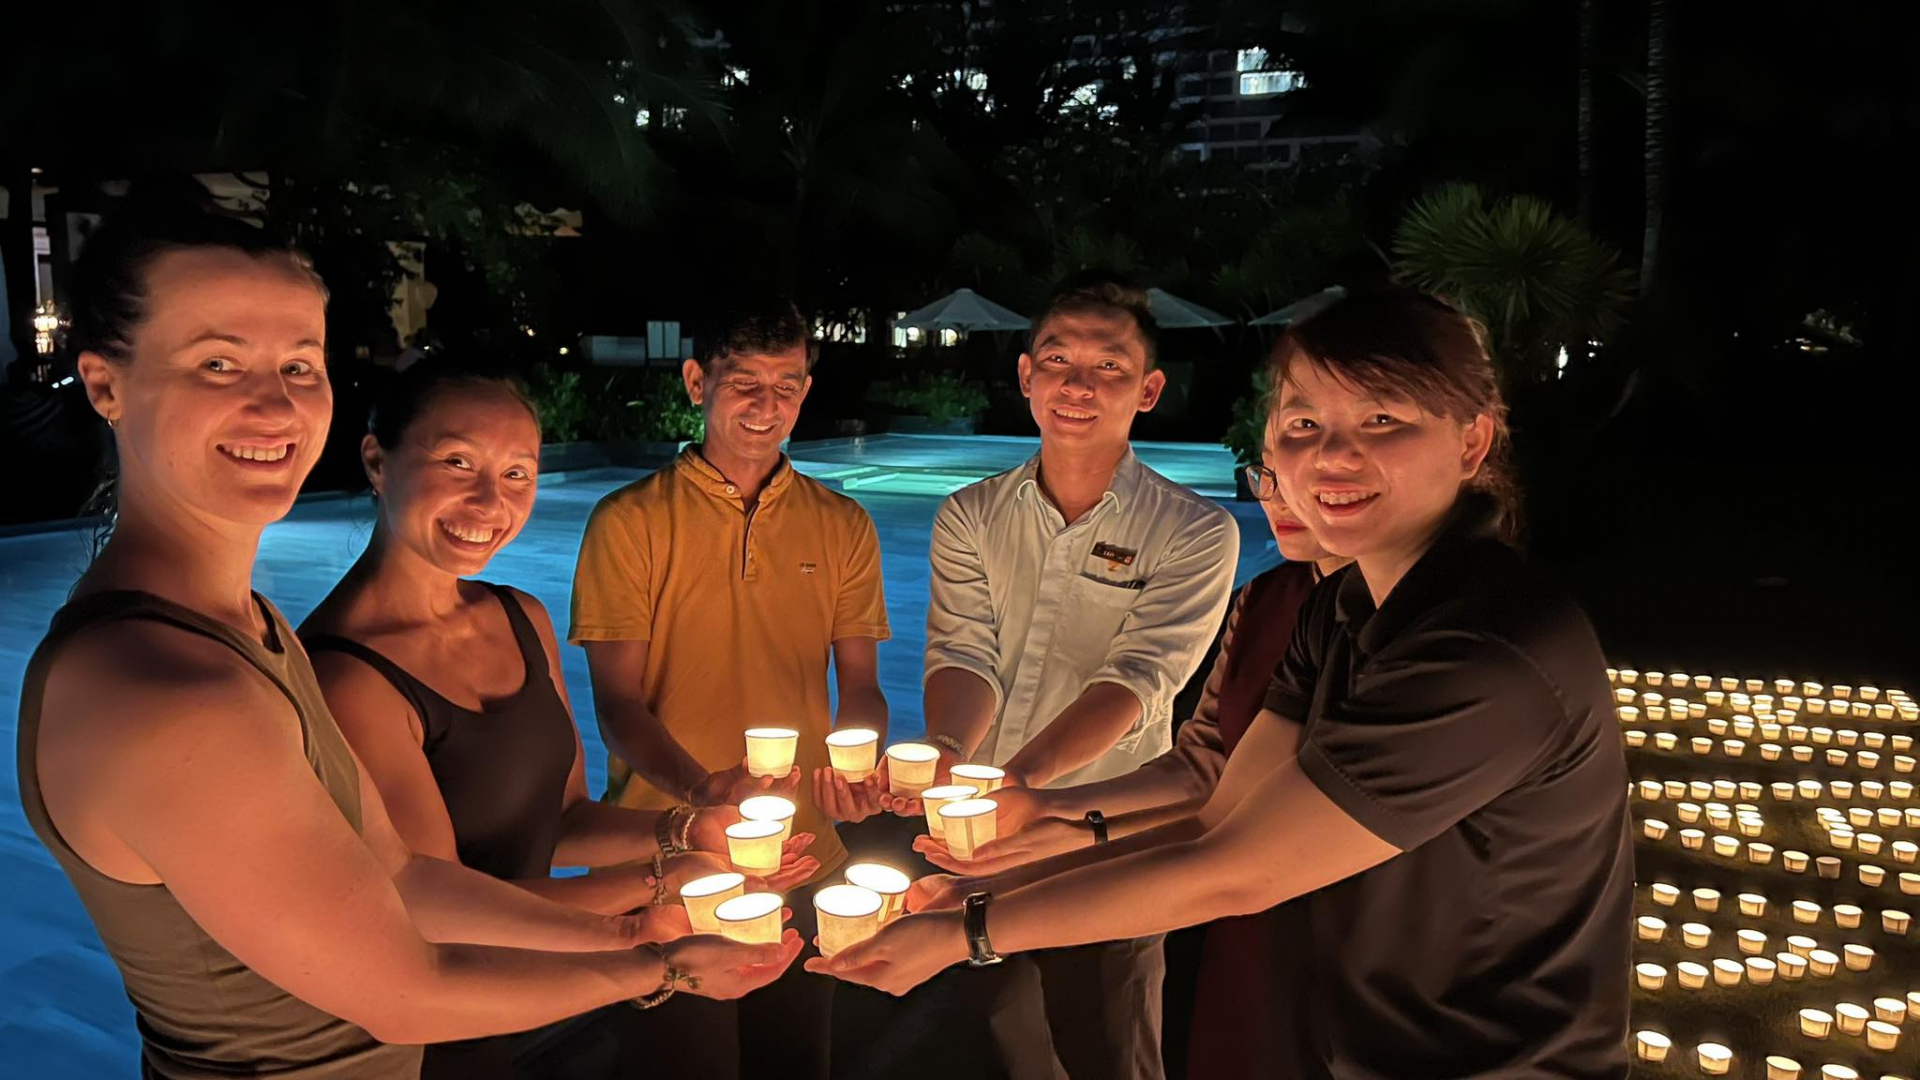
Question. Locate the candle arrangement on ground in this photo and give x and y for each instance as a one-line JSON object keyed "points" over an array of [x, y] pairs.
{"points": [[1777, 850]]}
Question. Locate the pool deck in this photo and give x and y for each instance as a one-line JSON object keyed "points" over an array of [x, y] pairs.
{"points": [[62, 1010]]}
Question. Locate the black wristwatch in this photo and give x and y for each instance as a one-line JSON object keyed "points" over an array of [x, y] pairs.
{"points": [[1098, 823], [973, 919]]}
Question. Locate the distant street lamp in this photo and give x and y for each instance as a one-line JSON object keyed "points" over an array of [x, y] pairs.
{"points": [[45, 322]]}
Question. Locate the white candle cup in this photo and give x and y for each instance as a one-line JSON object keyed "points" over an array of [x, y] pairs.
{"points": [[1676, 789], [1837, 758], [1715, 1059], [1760, 970], [1770, 732], [1901, 743], [1902, 763], [701, 895], [1910, 883], [1688, 812], [1892, 1010], [1756, 686], [1696, 935], [854, 753], [888, 882], [1828, 867], [910, 768], [1666, 740], [1806, 911], [1650, 790], [1802, 754], [1716, 698], [1753, 905], [1847, 916], [770, 808], [1867, 843], [1655, 678], [1883, 711], [968, 824], [1913, 1003], [1625, 696], [1912, 813], [1887, 817], [1649, 976], [1872, 789], [1752, 942], [1649, 928], [985, 779], [1794, 861], [1851, 1019], [1782, 1068], [1874, 740], [1860, 710], [1654, 828], [1846, 737], [1729, 683], [754, 846], [1816, 1023], [1743, 728], [752, 919], [1816, 706], [1693, 839], [1700, 790], [1751, 826], [1664, 894], [1859, 817], [1782, 790], [1692, 976], [1701, 744], [1696, 710], [1759, 853], [933, 798], [1872, 876], [1771, 752], [1895, 922], [1811, 789], [1841, 692], [1882, 1035], [1727, 972], [1705, 899], [1702, 682], [1717, 725], [1636, 739], [1613, 675], [1858, 957], [1651, 1046], [1791, 968], [1823, 963], [1838, 1072], [847, 914], [1726, 846], [1840, 838], [770, 750], [1751, 790], [1801, 945], [1812, 689]]}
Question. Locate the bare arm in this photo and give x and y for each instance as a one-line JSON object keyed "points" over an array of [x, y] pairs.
{"points": [[631, 729], [1083, 731], [856, 672]]}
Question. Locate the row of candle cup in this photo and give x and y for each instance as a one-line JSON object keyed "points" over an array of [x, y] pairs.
{"points": [[1823, 962], [1881, 1025], [1754, 906], [1827, 867], [1783, 726], [1716, 1060], [1660, 706], [1782, 791], [1802, 754], [1729, 684], [873, 895], [855, 755]]}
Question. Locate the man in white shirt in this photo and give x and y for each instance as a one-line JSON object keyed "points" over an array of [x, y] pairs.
{"points": [[1070, 599]]}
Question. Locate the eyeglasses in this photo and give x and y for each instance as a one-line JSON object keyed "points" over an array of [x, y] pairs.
{"points": [[1261, 481]]}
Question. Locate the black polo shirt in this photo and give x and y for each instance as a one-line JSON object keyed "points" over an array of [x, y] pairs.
{"points": [[1468, 723]]}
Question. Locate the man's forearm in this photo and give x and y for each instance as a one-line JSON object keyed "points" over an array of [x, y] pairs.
{"points": [[594, 833], [1144, 837], [959, 705], [612, 891], [1081, 734], [643, 742], [1164, 782], [863, 707], [451, 903]]}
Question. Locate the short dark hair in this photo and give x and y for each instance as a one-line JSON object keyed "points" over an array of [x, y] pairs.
{"points": [[108, 290], [761, 324], [403, 399], [1097, 291], [1401, 341]]}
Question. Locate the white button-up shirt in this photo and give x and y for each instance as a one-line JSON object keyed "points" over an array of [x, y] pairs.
{"points": [[1041, 609]]}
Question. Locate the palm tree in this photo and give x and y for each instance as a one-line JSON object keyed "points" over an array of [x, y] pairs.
{"points": [[1656, 145]]}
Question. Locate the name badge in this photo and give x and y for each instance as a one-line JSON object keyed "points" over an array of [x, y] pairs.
{"points": [[1115, 556]]}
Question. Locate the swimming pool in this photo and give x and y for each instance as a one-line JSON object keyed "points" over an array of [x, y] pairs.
{"points": [[62, 1010]]}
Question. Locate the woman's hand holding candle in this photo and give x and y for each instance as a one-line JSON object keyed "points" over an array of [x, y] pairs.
{"points": [[709, 831], [844, 801], [728, 969], [1041, 839], [796, 867], [732, 786], [905, 953]]}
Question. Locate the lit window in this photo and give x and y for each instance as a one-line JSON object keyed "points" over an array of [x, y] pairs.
{"points": [[642, 118], [949, 337], [672, 116], [1251, 60], [1257, 83], [736, 76]]}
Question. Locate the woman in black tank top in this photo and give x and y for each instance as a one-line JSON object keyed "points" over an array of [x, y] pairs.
{"points": [[450, 689]]}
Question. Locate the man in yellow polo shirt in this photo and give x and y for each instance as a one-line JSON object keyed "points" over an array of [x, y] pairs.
{"points": [[709, 597]]}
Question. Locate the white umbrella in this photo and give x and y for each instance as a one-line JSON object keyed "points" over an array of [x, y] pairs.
{"points": [[963, 309], [1173, 313], [1300, 309]]}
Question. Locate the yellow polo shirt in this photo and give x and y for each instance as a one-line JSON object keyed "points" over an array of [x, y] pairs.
{"points": [[740, 609]]}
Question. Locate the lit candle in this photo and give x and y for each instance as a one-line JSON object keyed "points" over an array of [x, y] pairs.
{"points": [[1906, 851], [1837, 758], [854, 753], [1729, 683], [1665, 894], [1840, 837], [754, 846], [1850, 1018], [1696, 935], [1872, 789], [1816, 706], [1782, 789], [933, 798], [1872, 876], [1901, 742], [1613, 675], [1859, 957], [1716, 698], [1874, 740], [847, 914], [1890, 1009], [1751, 790], [770, 808], [1782, 1068], [1806, 911], [770, 750], [1846, 737], [1887, 817], [1791, 967], [1802, 754], [1883, 712], [1696, 710], [1760, 970], [1753, 905], [1676, 789], [1822, 963], [1794, 861], [753, 919], [1910, 883], [1724, 789], [1726, 846], [1692, 976], [1743, 727], [890, 883], [1816, 1023], [910, 767], [1860, 710], [1650, 928], [1759, 853], [1755, 686], [1636, 739], [1717, 725], [968, 824], [1859, 817], [1783, 687], [1797, 733], [1812, 689], [1727, 972], [1656, 678], [1666, 740], [1847, 916], [1714, 1058], [1868, 843], [1827, 866], [1651, 698], [1702, 682], [1770, 732], [985, 778], [1903, 763], [1838, 1072], [1751, 826], [1625, 696], [1752, 942], [1689, 812], [1700, 790], [1653, 827], [1650, 976], [1895, 922], [1692, 839], [1651, 1046], [1882, 1035], [1650, 790], [1913, 1003], [1842, 691], [1801, 945], [701, 895]]}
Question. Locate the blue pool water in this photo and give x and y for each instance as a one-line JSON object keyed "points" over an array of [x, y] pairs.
{"points": [[62, 1010]]}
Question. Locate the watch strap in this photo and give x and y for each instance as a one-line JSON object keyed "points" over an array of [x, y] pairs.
{"points": [[973, 921]]}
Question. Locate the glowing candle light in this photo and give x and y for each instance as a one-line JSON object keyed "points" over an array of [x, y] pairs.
{"points": [[1650, 790], [1717, 725], [1753, 905], [1675, 789], [1872, 789], [1895, 922], [1693, 839], [1657, 714], [1666, 740], [1755, 686], [1860, 710], [1901, 742], [1715, 1059], [1882, 1035], [1883, 711], [1812, 689], [1651, 698], [1791, 967], [968, 824], [1783, 687], [1613, 675], [1655, 678], [1887, 817], [1816, 1023], [1837, 758], [1910, 883], [1651, 1046], [1838, 1072], [1760, 970], [770, 808], [1751, 826], [985, 779], [1716, 698], [885, 880], [701, 895], [1720, 817], [1841, 691], [1858, 957], [1751, 790], [1782, 790], [1650, 976], [1702, 682], [1846, 737], [770, 750], [1759, 853], [933, 798], [1890, 1009], [1701, 744], [1906, 851], [847, 914], [1822, 963], [1806, 911], [1696, 935], [1650, 928], [1625, 696], [1847, 916], [854, 753], [1696, 710], [1851, 1019], [1726, 846], [1752, 942], [1782, 1068], [1842, 789], [1706, 899], [753, 919], [1872, 876], [1725, 789], [1689, 812], [1859, 817], [1700, 790], [910, 768], [1692, 976], [1801, 945], [1840, 837], [1797, 733], [1794, 861], [1653, 827], [1868, 843], [1902, 763], [754, 846], [1665, 894]]}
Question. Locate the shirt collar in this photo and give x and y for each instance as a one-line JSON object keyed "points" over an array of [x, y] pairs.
{"points": [[1470, 530], [1120, 490], [697, 468]]}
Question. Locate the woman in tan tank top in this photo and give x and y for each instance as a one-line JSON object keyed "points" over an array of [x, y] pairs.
{"points": [[177, 759]]}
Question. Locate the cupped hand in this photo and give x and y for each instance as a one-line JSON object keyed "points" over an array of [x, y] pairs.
{"points": [[939, 892], [796, 867], [842, 801], [905, 953], [709, 831], [728, 969], [1041, 839], [662, 922]]}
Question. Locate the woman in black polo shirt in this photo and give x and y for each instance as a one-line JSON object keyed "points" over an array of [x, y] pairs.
{"points": [[1437, 756]]}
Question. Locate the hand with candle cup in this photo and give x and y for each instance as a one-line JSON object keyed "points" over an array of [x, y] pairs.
{"points": [[941, 892], [1041, 839], [724, 970], [849, 801], [733, 785], [905, 953]]}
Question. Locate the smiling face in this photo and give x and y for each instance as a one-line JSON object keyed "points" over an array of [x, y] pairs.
{"points": [[1086, 378], [751, 402], [221, 405], [1295, 541], [1373, 475], [461, 482]]}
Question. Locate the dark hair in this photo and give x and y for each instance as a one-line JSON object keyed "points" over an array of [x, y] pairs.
{"points": [[1403, 342], [760, 324], [1096, 291], [108, 290], [408, 394]]}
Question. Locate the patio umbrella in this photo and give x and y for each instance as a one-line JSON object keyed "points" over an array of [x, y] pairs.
{"points": [[1300, 309], [963, 309], [1173, 313]]}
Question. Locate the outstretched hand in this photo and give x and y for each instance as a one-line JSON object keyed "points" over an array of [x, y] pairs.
{"points": [[905, 953], [843, 801], [1042, 839]]}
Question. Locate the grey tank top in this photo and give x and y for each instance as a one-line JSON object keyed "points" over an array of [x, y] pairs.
{"points": [[201, 1012]]}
